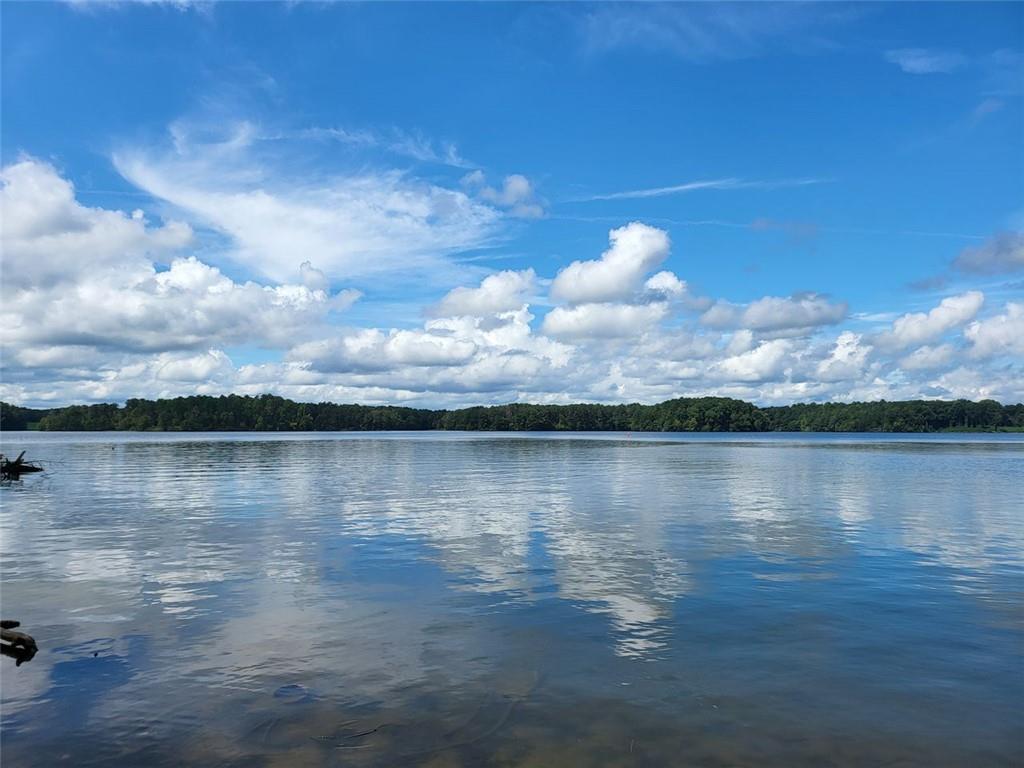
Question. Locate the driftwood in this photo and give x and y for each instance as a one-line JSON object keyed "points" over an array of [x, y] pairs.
{"points": [[17, 467], [17, 645]]}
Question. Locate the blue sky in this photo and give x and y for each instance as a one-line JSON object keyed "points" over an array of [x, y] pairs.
{"points": [[837, 192]]}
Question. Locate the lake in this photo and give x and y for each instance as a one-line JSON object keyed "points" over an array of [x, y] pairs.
{"points": [[467, 599]]}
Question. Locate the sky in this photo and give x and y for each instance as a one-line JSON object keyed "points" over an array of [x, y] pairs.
{"points": [[453, 204]]}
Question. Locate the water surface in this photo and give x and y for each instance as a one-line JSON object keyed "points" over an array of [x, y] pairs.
{"points": [[515, 600]]}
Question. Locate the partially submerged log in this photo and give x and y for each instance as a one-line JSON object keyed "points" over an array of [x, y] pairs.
{"points": [[17, 645], [17, 467]]}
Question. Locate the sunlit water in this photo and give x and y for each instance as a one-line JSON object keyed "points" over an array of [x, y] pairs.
{"points": [[526, 600]]}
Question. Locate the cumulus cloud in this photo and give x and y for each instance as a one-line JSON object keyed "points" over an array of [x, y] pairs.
{"points": [[609, 298], [499, 292], [665, 284], [203, 367], [928, 358], [466, 359], [636, 249], [44, 225], [370, 349], [1001, 254], [999, 335], [454, 354], [78, 277], [766, 361], [516, 194], [189, 305], [800, 313], [922, 61], [846, 360], [970, 383], [313, 278], [603, 320], [917, 328], [118, 308]]}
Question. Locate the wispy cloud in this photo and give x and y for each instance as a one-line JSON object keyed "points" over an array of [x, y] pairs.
{"points": [[693, 186], [278, 214], [711, 31], [203, 6], [395, 141], [233, 134], [1003, 72], [985, 108], [924, 61]]}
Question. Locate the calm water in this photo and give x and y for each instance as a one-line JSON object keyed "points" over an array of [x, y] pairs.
{"points": [[463, 600]]}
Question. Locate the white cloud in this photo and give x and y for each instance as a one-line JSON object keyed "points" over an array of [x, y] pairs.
{"points": [[348, 225], [917, 328], [411, 145], [373, 350], [973, 384], [453, 354], [846, 360], [603, 321], [922, 61], [928, 358], [189, 305], [499, 292], [666, 284], [722, 314], [801, 313], [635, 250], [313, 278], [739, 342], [509, 332], [999, 335], [612, 353], [78, 278], [105, 319], [196, 368], [47, 237], [516, 195], [1002, 254], [694, 186], [765, 362], [201, 6]]}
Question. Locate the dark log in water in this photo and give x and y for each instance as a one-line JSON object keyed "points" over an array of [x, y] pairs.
{"points": [[17, 467], [17, 645]]}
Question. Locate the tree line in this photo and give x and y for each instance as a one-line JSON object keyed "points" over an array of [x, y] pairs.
{"points": [[245, 413]]}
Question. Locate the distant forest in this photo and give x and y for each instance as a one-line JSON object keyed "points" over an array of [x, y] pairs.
{"points": [[701, 414]]}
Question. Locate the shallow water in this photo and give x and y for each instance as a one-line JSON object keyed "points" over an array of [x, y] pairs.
{"points": [[515, 600]]}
